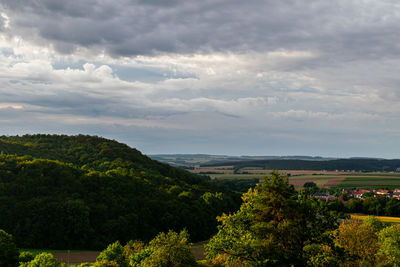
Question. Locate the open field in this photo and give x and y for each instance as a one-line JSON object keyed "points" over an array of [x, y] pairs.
{"points": [[235, 176], [68, 256], [259, 171], [381, 218], [198, 250], [327, 179]]}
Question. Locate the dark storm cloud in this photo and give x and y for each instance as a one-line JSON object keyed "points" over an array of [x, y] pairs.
{"points": [[345, 29]]}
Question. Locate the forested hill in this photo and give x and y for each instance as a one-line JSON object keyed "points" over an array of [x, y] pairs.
{"points": [[357, 164], [81, 192], [85, 151]]}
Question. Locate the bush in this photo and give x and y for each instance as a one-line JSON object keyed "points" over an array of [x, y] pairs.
{"points": [[170, 249], [43, 260], [113, 253], [25, 256]]}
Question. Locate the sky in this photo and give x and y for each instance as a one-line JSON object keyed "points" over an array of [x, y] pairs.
{"points": [[290, 77]]}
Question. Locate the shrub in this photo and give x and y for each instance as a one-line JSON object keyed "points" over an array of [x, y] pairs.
{"points": [[25, 256], [43, 260]]}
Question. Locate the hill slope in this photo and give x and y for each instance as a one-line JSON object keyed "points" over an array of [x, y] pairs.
{"points": [[85, 192]]}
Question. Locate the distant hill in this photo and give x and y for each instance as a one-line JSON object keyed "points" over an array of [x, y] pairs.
{"points": [[84, 192], [189, 160]]}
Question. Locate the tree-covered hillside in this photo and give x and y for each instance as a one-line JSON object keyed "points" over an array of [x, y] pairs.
{"points": [[85, 192]]}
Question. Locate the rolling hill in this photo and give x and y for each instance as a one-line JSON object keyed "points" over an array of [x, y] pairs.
{"points": [[83, 192]]}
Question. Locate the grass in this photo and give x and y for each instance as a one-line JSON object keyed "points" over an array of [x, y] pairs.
{"points": [[371, 181]]}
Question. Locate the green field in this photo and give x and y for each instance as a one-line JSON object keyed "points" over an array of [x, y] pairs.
{"points": [[371, 181]]}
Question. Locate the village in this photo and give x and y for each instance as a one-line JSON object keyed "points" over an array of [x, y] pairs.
{"points": [[359, 193]]}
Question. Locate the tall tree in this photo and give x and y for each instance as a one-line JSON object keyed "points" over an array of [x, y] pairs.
{"points": [[271, 227]]}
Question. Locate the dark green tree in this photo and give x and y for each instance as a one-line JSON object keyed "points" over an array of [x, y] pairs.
{"points": [[8, 250], [310, 185]]}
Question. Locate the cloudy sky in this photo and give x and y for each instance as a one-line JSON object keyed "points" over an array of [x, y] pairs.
{"points": [[290, 77]]}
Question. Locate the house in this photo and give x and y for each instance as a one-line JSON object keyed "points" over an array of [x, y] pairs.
{"points": [[324, 196], [396, 191], [383, 192], [360, 192]]}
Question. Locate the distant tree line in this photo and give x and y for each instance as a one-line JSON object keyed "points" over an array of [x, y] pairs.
{"points": [[365, 165]]}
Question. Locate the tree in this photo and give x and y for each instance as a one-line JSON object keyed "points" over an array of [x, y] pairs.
{"points": [[320, 255], [8, 250], [113, 253], [389, 240], [310, 185], [166, 250], [375, 223], [43, 260], [359, 240], [271, 227], [368, 194]]}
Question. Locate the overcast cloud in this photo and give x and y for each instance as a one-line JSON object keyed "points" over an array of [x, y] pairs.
{"points": [[213, 76]]}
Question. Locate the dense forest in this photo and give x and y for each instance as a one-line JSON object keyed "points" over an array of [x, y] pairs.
{"points": [[84, 192], [274, 226], [357, 164]]}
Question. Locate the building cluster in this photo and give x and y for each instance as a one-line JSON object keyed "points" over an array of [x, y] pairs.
{"points": [[378, 193], [360, 193]]}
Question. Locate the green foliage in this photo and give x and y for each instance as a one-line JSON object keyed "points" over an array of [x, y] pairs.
{"points": [[113, 253], [105, 263], [320, 255], [43, 260], [376, 224], [389, 240], [138, 258], [310, 185], [271, 227], [359, 240], [131, 248], [166, 249], [83, 192], [25, 256], [8, 250]]}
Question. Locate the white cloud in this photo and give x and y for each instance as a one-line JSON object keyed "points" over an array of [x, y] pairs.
{"points": [[329, 70]]}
